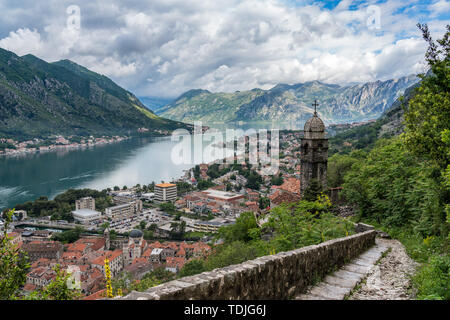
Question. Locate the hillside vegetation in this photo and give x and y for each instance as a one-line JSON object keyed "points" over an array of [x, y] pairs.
{"points": [[40, 99], [401, 183]]}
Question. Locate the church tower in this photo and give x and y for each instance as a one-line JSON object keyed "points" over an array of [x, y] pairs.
{"points": [[314, 153]]}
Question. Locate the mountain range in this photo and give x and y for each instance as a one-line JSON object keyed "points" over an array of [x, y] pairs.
{"points": [[389, 124], [290, 102], [40, 99]]}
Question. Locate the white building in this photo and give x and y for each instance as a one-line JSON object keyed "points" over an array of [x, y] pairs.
{"points": [[155, 255], [86, 216], [124, 210], [148, 196], [165, 192]]}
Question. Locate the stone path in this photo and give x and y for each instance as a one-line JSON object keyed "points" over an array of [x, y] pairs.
{"points": [[390, 279], [339, 285]]}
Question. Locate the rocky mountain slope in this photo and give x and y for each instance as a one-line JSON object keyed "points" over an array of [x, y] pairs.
{"points": [[390, 123], [290, 102], [39, 99]]}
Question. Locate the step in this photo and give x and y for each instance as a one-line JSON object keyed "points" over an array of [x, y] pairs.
{"points": [[329, 291], [339, 284], [356, 268]]}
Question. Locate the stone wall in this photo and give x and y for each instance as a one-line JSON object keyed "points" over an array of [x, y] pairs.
{"points": [[280, 276]]}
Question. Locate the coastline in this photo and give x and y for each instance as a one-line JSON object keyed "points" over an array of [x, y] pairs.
{"points": [[59, 147]]}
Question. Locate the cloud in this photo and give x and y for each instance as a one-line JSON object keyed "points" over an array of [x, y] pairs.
{"points": [[23, 41], [165, 47], [440, 7]]}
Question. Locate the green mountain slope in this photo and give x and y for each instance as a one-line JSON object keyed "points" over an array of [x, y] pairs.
{"points": [[39, 99], [206, 106], [289, 102]]}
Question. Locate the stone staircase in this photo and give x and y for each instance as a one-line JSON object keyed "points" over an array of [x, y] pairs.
{"points": [[338, 285]]}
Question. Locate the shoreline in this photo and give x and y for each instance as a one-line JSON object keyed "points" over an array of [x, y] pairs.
{"points": [[63, 147]]}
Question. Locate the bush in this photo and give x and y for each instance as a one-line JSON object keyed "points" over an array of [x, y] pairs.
{"points": [[432, 279]]}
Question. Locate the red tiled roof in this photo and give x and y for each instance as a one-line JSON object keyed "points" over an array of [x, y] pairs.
{"points": [[173, 262], [29, 287], [279, 197], [111, 255], [76, 246], [291, 185], [97, 295]]}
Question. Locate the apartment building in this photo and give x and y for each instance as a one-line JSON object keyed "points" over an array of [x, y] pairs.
{"points": [[165, 192], [85, 203], [124, 210]]}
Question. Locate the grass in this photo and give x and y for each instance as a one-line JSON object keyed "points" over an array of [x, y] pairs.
{"points": [[383, 255], [147, 113]]}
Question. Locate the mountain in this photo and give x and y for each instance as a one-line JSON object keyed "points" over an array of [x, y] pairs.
{"points": [[206, 106], [155, 103], [39, 99], [290, 102], [390, 123]]}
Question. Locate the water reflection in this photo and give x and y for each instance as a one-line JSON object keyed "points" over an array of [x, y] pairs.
{"points": [[139, 160]]}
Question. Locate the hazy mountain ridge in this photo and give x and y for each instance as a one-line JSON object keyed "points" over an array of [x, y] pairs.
{"points": [[389, 124], [290, 102], [38, 99], [155, 103]]}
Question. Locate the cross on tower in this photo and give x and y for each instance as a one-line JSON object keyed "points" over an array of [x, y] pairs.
{"points": [[315, 104]]}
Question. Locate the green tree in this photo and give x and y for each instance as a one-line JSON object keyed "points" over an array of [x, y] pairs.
{"points": [[168, 207], [277, 180], [241, 230], [192, 267], [254, 180], [13, 263], [427, 114], [68, 236], [304, 223], [204, 184], [264, 202], [313, 190], [395, 189], [233, 253], [338, 166]]}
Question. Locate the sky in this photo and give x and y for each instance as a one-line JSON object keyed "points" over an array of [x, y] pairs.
{"points": [[162, 48]]}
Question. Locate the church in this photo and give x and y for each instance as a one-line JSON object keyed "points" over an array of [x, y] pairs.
{"points": [[314, 153]]}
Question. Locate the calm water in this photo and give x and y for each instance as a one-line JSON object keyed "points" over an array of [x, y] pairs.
{"points": [[139, 160]]}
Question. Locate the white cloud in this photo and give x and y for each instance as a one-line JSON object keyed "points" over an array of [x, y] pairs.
{"points": [[165, 47], [440, 7], [23, 41]]}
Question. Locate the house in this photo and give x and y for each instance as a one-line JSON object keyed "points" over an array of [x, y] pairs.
{"points": [[174, 264], [138, 268], [280, 196], [115, 261], [155, 255], [40, 249]]}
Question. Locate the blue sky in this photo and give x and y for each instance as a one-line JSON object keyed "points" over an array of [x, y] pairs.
{"points": [[165, 47]]}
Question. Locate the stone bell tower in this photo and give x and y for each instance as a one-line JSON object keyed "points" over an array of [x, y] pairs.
{"points": [[314, 153]]}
